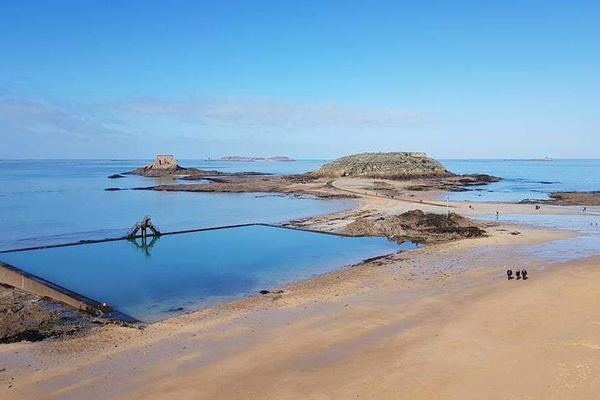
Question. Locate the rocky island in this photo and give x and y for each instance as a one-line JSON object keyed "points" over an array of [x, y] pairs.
{"points": [[163, 165], [396, 165]]}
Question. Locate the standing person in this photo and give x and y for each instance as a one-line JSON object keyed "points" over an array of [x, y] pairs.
{"points": [[497, 214]]}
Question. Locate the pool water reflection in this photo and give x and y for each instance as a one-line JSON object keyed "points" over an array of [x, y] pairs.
{"points": [[179, 273]]}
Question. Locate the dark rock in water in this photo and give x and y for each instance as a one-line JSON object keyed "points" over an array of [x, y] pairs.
{"points": [[269, 292], [112, 189], [175, 309], [116, 176]]}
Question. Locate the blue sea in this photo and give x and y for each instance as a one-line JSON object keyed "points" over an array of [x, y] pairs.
{"points": [[60, 201], [526, 179]]}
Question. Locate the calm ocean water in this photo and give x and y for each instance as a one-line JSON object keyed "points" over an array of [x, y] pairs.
{"points": [[46, 202], [527, 179], [49, 202]]}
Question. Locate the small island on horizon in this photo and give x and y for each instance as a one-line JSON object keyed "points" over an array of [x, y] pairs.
{"points": [[252, 159]]}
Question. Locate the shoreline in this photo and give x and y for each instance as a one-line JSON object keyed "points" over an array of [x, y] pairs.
{"points": [[120, 354], [360, 330]]}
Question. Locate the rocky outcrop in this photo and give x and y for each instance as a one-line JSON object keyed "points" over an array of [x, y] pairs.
{"points": [[397, 165], [455, 183], [416, 226], [164, 165], [167, 166], [116, 176]]}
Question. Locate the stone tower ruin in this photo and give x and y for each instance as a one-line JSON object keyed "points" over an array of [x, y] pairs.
{"points": [[164, 161]]}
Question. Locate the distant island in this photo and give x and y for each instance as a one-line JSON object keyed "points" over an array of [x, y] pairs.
{"points": [[529, 159], [251, 159]]}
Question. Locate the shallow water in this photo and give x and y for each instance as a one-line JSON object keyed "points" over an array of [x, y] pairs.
{"points": [[585, 244], [183, 272]]}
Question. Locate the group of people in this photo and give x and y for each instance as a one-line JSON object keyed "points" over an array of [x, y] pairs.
{"points": [[520, 274]]}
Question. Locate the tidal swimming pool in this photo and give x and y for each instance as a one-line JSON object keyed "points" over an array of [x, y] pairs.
{"points": [[180, 273]]}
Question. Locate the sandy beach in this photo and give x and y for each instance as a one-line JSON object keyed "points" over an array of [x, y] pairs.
{"points": [[438, 322]]}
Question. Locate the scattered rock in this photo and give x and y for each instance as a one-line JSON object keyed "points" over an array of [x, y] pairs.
{"points": [[416, 226], [116, 176]]}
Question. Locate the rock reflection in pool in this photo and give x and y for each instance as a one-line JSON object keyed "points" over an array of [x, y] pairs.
{"points": [[183, 272]]}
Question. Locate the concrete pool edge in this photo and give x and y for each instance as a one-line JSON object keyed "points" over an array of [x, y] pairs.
{"points": [[193, 230], [16, 277]]}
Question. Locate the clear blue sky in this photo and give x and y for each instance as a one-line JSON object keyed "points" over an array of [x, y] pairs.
{"points": [[310, 79]]}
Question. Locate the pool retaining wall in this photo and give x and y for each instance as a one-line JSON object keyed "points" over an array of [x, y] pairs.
{"points": [[15, 277]]}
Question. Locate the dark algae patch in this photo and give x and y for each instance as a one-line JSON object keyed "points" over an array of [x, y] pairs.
{"points": [[26, 317]]}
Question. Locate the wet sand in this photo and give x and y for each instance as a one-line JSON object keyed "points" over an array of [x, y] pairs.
{"points": [[575, 198], [441, 322]]}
